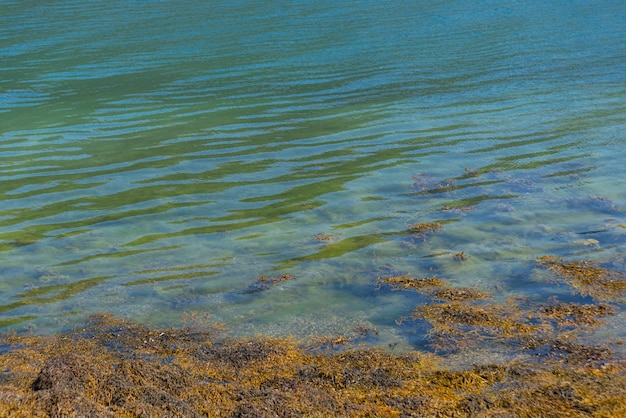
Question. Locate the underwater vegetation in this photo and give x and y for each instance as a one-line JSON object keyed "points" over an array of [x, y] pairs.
{"points": [[425, 227], [264, 283], [426, 183], [323, 237], [462, 318], [116, 367], [406, 282], [460, 256], [422, 230], [588, 278], [456, 326]]}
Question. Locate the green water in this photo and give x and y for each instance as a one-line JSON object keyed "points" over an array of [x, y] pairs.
{"points": [[158, 158]]}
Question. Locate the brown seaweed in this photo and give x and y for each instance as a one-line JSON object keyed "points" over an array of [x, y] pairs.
{"points": [[588, 278], [265, 283], [112, 367], [407, 282]]}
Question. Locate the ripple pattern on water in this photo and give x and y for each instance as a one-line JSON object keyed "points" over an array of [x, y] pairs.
{"points": [[158, 157]]}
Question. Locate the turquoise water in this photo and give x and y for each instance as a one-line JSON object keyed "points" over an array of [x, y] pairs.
{"points": [[158, 157]]}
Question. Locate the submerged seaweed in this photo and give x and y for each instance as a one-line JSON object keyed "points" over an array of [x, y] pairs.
{"points": [[572, 314], [588, 278], [460, 294], [264, 283], [455, 326], [189, 372], [407, 282], [461, 319], [421, 230], [115, 367]]}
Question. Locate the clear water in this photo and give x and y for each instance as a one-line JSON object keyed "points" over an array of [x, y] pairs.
{"points": [[158, 157]]}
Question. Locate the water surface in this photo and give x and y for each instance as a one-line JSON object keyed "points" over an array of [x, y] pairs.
{"points": [[158, 157]]}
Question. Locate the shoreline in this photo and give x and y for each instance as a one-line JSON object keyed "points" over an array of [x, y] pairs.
{"points": [[114, 367], [553, 364]]}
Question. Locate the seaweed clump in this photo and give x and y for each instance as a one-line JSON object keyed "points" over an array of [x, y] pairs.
{"points": [[265, 282], [112, 367], [572, 314], [455, 326], [323, 237], [407, 282], [588, 278], [421, 230], [460, 294], [459, 319]]}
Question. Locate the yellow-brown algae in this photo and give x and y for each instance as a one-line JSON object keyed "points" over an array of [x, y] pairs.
{"points": [[113, 367], [588, 278], [407, 282]]}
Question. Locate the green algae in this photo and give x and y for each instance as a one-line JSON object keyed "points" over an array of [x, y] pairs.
{"points": [[36, 296], [115, 253], [280, 205], [361, 222], [170, 277], [16, 320], [338, 248]]}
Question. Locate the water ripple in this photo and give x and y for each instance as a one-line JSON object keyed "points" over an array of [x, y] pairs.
{"points": [[164, 152]]}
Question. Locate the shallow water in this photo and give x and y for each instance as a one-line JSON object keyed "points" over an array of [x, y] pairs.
{"points": [[157, 157]]}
